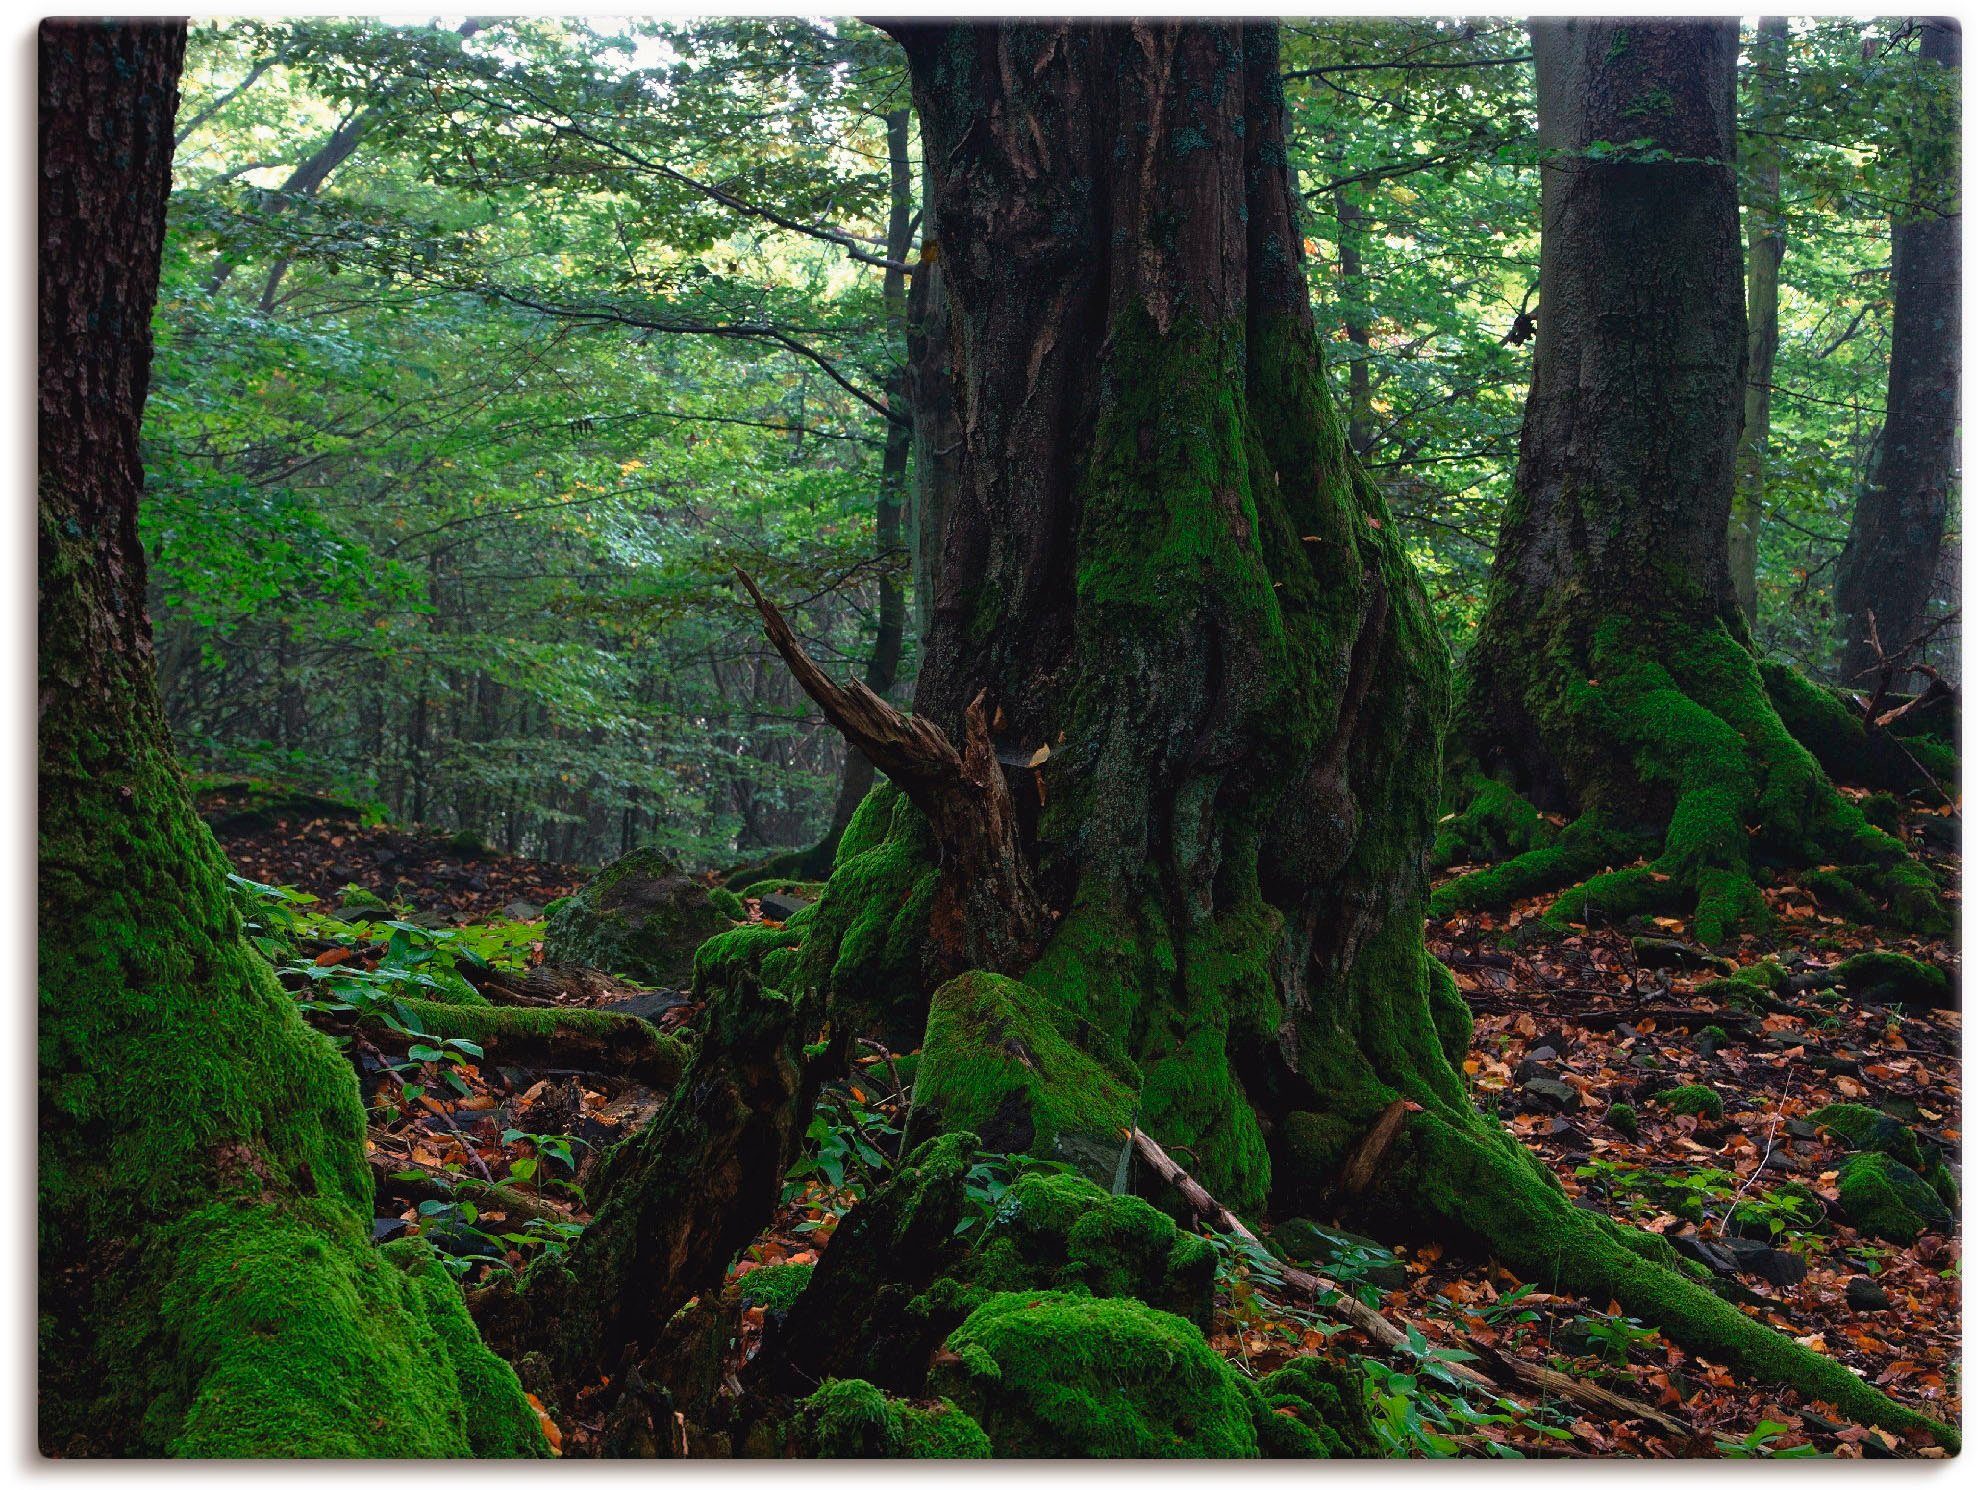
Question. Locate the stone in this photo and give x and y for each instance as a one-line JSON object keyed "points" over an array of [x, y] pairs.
{"points": [[522, 910], [386, 1228], [1666, 952], [1757, 1260], [1544, 1092], [640, 918], [647, 1006], [1710, 1254], [780, 907], [1866, 1296]]}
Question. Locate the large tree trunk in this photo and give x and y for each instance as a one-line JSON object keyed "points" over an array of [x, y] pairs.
{"points": [[1765, 234], [1897, 536], [208, 1283], [1612, 674]]}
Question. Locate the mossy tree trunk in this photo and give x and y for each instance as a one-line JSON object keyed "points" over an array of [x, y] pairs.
{"points": [[1896, 538], [208, 1283], [1612, 674], [1766, 237]]}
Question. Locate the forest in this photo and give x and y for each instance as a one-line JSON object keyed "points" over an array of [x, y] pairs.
{"points": [[771, 737]]}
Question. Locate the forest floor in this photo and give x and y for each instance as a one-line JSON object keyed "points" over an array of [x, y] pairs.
{"points": [[1573, 1037]]}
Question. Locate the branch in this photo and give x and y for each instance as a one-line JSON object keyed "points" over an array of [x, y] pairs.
{"points": [[1382, 1331]]}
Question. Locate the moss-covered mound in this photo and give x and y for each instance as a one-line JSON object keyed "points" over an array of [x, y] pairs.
{"points": [[1894, 975], [1866, 1130], [1025, 1076], [1057, 1375], [1885, 1198], [1692, 1101], [1494, 823], [641, 918], [855, 1420]]}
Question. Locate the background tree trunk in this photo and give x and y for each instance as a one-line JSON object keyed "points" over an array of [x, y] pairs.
{"points": [[208, 1285], [1612, 673], [1765, 235], [1898, 531]]}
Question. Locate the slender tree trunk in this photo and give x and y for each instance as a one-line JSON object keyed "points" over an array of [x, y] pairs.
{"points": [[1612, 674], [1352, 220], [208, 1283], [1896, 539], [1766, 239], [882, 668]]}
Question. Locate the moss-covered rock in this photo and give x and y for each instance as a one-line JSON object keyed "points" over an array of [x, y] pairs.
{"points": [[728, 903], [1058, 1375], [1894, 975], [1495, 823], [1885, 1198], [640, 918], [1621, 1117], [1692, 1101], [855, 1420], [1027, 1077], [1314, 1408], [1865, 1129]]}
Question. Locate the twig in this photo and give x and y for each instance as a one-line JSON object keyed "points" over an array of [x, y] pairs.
{"points": [[1382, 1331]]}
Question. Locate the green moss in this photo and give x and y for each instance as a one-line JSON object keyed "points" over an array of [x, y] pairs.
{"points": [[1904, 976], [1622, 1119], [1027, 1077], [658, 1058], [1692, 1101], [775, 1286], [796, 889], [1887, 1199], [640, 918], [728, 903], [1585, 846], [1496, 823], [357, 898], [1829, 726], [1863, 1128], [855, 1420], [1838, 895], [1062, 1232], [1314, 1408], [1059, 1375], [1454, 1026]]}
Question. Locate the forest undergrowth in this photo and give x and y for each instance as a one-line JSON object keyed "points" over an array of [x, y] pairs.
{"points": [[1734, 1101]]}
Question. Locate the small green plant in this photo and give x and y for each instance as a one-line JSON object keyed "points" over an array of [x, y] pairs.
{"points": [[1757, 1444], [1614, 1335], [846, 1150]]}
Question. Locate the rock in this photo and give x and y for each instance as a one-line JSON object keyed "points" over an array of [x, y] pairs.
{"points": [[1757, 1260], [648, 1006], [781, 907], [1556, 1096], [1781, 1162], [1863, 1129], [385, 1228], [1888, 1200], [1711, 1255], [1866, 1296], [1532, 1067], [1800, 1128], [1666, 952], [640, 919]]}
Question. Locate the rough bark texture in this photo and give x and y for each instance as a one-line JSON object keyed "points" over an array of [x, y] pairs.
{"points": [[208, 1284], [1612, 674], [1766, 240], [937, 434], [1898, 531]]}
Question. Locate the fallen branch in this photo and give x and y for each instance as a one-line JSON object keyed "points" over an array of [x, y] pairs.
{"points": [[1383, 1331]]}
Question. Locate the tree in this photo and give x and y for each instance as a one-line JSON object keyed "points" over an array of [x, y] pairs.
{"points": [[1766, 237], [1151, 848], [1612, 676], [208, 1283], [1896, 539]]}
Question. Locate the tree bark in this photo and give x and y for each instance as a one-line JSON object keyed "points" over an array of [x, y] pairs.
{"points": [[1766, 239], [1896, 538], [1612, 674], [937, 432], [207, 1283]]}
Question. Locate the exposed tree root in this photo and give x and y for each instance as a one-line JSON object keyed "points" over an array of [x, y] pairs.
{"points": [[1678, 714], [556, 1039]]}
